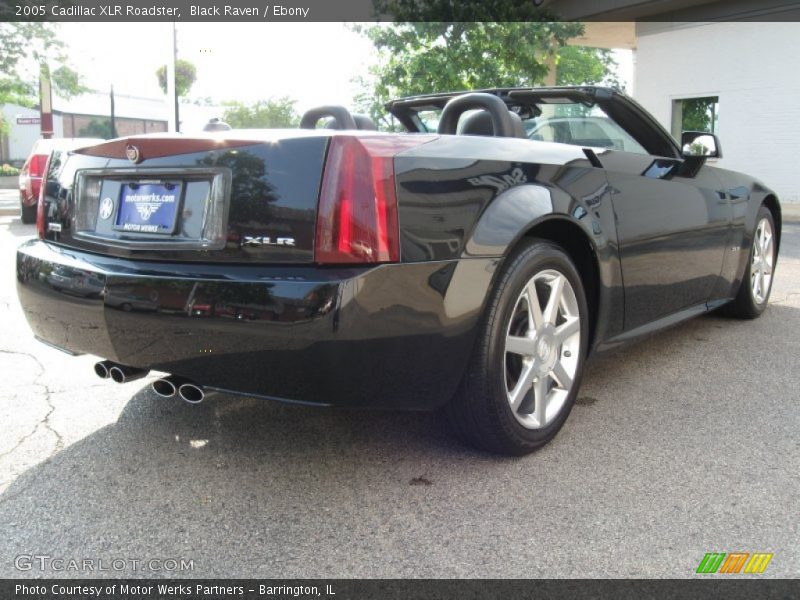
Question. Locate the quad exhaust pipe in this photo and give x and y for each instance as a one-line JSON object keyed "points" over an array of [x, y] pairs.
{"points": [[166, 387], [106, 369]]}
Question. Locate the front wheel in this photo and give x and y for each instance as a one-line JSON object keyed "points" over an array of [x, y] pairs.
{"points": [[754, 291], [527, 363]]}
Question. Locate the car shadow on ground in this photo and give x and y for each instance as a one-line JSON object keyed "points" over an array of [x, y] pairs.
{"points": [[16, 227]]}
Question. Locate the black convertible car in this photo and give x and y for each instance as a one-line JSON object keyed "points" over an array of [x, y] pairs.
{"points": [[472, 262]]}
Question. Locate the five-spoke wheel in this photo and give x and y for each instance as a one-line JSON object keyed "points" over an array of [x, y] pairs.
{"points": [[762, 261], [526, 366], [542, 349], [753, 295]]}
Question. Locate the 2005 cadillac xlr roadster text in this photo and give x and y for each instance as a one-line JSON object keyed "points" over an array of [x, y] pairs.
{"points": [[472, 262]]}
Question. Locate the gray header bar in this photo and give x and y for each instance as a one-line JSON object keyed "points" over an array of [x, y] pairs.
{"points": [[186, 10], [401, 10]]}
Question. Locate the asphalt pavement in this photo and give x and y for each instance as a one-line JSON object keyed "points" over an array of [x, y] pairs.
{"points": [[9, 202], [681, 445]]}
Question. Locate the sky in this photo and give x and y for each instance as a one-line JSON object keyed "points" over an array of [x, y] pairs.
{"points": [[313, 63]]}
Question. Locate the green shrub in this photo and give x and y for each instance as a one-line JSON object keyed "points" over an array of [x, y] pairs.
{"points": [[7, 170]]}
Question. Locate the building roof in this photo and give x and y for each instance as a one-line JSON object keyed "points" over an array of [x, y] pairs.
{"points": [[99, 104]]}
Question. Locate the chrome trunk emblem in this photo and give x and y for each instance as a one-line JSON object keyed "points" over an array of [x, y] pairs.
{"points": [[133, 153]]}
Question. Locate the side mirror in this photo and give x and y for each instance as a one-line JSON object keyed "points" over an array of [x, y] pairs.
{"points": [[700, 144]]}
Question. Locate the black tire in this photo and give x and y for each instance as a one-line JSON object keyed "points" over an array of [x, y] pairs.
{"points": [[27, 214], [480, 412], [745, 305]]}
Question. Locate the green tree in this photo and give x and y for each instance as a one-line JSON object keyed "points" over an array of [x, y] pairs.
{"points": [[185, 76], [270, 114], [97, 128], [699, 114], [15, 91], [461, 11], [419, 58], [67, 83], [580, 65], [27, 45], [26, 48]]}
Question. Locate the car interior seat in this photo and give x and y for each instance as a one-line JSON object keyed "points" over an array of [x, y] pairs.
{"points": [[480, 123]]}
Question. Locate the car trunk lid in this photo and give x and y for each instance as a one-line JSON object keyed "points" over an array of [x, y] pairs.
{"points": [[248, 198]]}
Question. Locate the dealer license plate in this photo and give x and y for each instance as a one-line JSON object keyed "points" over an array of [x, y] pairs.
{"points": [[148, 207]]}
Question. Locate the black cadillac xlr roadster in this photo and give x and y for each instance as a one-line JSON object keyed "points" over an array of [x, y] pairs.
{"points": [[472, 262]]}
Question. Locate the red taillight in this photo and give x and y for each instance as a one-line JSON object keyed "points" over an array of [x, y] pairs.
{"points": [[37, 164], [40, 216], [35, 169], [357, 214]]}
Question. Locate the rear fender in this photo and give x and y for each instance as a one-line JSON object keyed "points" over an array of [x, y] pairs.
{"points": [[551, 213]]}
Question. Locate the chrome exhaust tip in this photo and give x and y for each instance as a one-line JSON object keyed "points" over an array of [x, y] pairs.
{"points": [[123, 374], [102, 369], [164, 387], [167, 387], [191, 393]]}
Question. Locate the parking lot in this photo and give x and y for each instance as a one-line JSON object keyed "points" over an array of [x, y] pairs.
{"points": [[681, 445]]}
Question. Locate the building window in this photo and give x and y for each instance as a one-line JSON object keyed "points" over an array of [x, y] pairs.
{"points": [[695, 114]]}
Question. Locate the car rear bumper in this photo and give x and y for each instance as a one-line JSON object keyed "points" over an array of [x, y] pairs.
{"points": [[391, 336]]}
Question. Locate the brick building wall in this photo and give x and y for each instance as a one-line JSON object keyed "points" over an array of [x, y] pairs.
{"points": [[74, 124]]}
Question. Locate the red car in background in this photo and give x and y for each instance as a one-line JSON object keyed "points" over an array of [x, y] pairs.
{"points": [[30, 177]]}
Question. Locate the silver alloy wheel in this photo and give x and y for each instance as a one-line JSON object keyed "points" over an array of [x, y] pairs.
{"points": [[543, 342], [762, 262]]}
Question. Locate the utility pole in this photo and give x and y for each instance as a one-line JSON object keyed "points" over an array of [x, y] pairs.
{"points": [[172, 91], [175, 61], [113, 117]]}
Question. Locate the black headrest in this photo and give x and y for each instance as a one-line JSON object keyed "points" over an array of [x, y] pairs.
{"points": [[342, 119], [519, 128], [365, 123], [362, 122], [480, 123]]}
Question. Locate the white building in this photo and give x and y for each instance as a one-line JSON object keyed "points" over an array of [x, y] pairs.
{"points": [[72, 118], [741, 56], [24, 129], [752, 70]]}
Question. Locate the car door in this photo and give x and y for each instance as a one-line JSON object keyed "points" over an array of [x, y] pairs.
{"points": [[672, 232], [672, 221]]}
